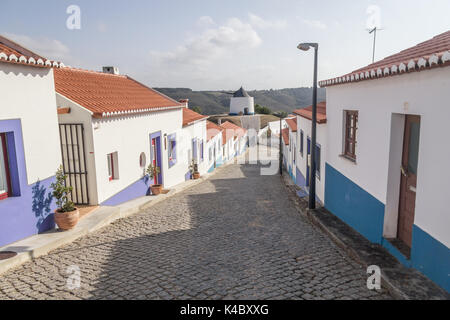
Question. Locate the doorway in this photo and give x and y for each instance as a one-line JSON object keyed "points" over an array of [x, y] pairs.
{"points": [[155, 156], [408, 180]]}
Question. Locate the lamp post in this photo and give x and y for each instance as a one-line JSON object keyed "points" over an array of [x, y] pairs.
{"points": [[312, 174]]}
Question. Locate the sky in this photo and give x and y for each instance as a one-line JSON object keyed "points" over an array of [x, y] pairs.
{"points": [[221, 45]]}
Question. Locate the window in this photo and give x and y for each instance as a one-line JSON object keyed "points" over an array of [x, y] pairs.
{"points": [[5, 180], [142, 160], [318, 160], [301, 143], [202, 151], [351, 122], [172, 151], [113, 168]]}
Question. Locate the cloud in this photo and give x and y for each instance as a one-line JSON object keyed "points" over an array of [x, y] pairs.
{"points": [[211, 45], [316, 24], [260, 23], [205, 21], [102, 27], [48, 48]]}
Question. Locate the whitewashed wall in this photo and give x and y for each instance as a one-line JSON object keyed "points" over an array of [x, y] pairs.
{"points": [[305, 125], [196, 130], [130, 136], [28, 93], [239, 104], [423, 93]]}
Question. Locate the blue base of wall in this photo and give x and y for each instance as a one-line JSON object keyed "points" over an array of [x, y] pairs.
{"points": [[138, 189], [365, 214], [431, 257], [354, 205], [300, 180], [30, 208]]}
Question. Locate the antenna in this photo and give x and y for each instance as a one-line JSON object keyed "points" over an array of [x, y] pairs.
{"points": [[374, 31]]}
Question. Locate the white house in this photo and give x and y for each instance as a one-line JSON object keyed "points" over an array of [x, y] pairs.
{"points": [[242, 103], [214, 145], [387, 154], [194, 137], [304, 148], [29, 145], [285, 147], [291, 155], [112, 127], [236, 139]]}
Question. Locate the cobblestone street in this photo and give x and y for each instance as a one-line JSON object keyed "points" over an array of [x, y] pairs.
{"points": [[234, 236]]}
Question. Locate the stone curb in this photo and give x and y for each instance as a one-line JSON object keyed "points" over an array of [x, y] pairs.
{"points": [[29, 248]]}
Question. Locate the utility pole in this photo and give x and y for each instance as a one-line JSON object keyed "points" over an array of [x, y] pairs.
{"points": [[281, 150], [374, 31]]}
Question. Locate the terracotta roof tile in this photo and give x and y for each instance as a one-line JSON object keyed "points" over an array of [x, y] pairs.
{"points": [[232, 131], [189, 117], [285, 135], [307, 112], [292, 123], [109, 95], [426, 55], [212, 130], [11, 52]]}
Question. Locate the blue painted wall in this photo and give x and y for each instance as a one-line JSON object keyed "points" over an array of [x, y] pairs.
{"points": [[138, 189], [30, 208], [353, 205], [431, 257], [300, 179]]}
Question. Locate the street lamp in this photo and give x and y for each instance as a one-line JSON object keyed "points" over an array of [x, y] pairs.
{"points": [[312, 174]]}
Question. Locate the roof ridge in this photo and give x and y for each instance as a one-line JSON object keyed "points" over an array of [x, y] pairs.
{"points": [[154, 90], [93, 71]]}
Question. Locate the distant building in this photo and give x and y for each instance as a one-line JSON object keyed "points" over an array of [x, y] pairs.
{"points": [[241, 102]]}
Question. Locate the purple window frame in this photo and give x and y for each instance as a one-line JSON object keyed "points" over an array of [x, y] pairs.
{"points": [[172, 139]]}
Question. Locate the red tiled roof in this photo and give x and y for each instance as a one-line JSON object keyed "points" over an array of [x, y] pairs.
{"points": [[231, 131], [212, 130], [292, 123], [12, 52], [426, 55], [285, 135], [307, 112], [189, 117], [109, 95]]}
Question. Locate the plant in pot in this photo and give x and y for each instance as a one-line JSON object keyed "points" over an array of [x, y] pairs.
{"points": [[194, 170], [66, 214], [152, 172]]}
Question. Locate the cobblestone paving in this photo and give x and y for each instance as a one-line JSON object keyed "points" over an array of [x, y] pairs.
{"points": [[235, 236]]}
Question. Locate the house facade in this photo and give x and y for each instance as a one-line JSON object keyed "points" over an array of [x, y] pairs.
{"points": [[291, 155], [29, 144], [194, 140], [386, 154], [304, 149], [236, 139], [112, 127], [214, 145]]}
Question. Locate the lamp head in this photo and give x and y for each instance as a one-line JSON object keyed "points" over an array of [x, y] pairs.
{"points": [[306, 46]]}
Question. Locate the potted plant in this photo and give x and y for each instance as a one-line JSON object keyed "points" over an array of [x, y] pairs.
{"points": [[194, 170], [66, 214], [152, 172]]}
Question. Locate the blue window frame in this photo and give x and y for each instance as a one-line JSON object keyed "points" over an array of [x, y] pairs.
{"points": [[318, 147], [5, 177], [202, 151], [172, 150]]}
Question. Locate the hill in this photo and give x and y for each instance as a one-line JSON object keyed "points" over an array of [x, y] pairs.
{"points": [[218, 102]]}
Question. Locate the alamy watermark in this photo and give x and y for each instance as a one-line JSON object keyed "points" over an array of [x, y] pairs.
{"points": [[374, 280], [74, 278], [73, 22]]}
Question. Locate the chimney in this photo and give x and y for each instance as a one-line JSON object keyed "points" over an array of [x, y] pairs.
{"points": [[111, 70], [220, 121], [186, 102]]}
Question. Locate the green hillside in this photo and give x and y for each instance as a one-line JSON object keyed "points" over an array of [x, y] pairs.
{"points": [[217, 102]]}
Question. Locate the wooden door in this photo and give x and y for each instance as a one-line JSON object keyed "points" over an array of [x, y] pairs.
{"points": [[408, 182], [154, 155]]}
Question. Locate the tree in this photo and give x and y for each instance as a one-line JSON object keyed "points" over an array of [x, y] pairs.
{"points": [[281, 114], [197, 109], [262, 110]]}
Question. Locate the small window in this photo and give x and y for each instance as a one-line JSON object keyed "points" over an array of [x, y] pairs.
{"points": [[301, 143], [172, 151], [142, 160], [5, 180], [112, 166], [351, 126]]}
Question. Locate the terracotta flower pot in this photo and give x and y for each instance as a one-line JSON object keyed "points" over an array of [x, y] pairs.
{"points": [[156, 189], [196, 175], [67, 220]]}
